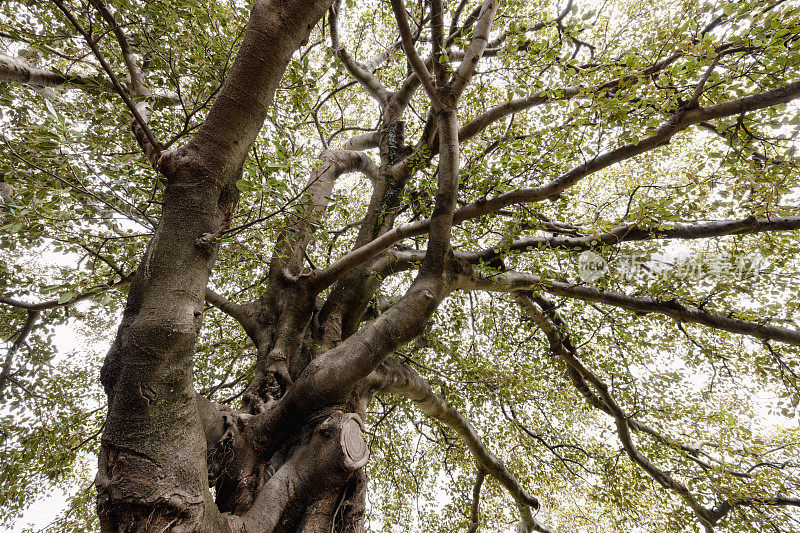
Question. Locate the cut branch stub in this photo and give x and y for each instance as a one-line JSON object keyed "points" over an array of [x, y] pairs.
{"points": [[354, 444]]}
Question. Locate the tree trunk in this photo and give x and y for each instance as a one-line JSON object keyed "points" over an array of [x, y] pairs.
{"points": [[153, 474]]}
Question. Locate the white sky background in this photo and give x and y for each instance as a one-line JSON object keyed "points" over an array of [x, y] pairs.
{"points": [[44, 511], [69, 341]]}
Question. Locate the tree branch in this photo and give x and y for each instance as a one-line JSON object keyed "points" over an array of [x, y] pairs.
{"points": [[476, 501], [145, 137], [394, 377], [240, 313], [17, 70], [620, 417], [294, 239], [362, 73], [679, 122], [57, 302], [338, 268], [465, 71], [416, 62], [634, 232], [515, 281], [30, 322], [143, 124], [721, 510]]}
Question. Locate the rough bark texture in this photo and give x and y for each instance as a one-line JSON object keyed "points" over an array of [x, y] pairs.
{"points": [[291, 458]]}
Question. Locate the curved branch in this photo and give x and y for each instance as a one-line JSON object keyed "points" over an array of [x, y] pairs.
{"points": [[476, 501], [289, 251], [620, 417], [30, 322], [416, 62], [362, 73], [146, 139], [721, 510], [155, 144], [395, 377], [241, 313], [679, 122], [58, 302]]}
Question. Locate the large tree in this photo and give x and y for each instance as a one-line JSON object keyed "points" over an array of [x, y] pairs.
{"points": [[376, 257]]}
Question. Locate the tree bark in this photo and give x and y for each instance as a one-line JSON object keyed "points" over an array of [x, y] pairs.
{"points": [[152, 467]]}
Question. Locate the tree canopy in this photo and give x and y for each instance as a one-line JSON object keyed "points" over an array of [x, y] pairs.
{"points": [[506, 265]]}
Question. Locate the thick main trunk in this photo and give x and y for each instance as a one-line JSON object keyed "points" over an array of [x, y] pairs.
{"points": [[152, 467], [313, 481]]}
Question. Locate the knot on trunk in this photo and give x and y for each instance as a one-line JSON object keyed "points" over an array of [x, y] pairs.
{"points": [[353, 442], [344, 434]]}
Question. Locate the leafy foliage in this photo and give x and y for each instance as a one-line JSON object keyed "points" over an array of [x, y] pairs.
{"points": [[85, 201]]}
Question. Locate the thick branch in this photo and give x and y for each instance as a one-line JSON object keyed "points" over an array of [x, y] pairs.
{"points": [[362, 73], [240, 313], [395, 377], [515, 281], [275, 30], [721, 510]]}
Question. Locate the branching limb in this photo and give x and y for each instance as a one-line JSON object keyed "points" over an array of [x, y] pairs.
{"points": [[395, 377], [138, 87], [722, 510], [620, 417], [30, 322], [416, 62], [548, 308], [407, 88], [476, 501], [58, 302], [330, 378], [154, 152], [511, 281], [400, 260], [362, 73], [241, 313], [679, 122]]}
